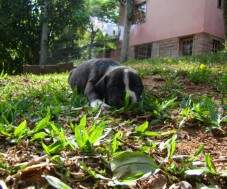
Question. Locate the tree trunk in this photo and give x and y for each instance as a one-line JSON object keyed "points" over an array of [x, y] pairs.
{"points": [[44, 36], [92, 39], [127, 26]]}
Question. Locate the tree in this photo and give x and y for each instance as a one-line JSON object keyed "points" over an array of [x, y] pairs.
{"points": [[68, 20], [19, 34], [225, 19], [21, 24], [44, 36], [128, 4], [103, 11]]}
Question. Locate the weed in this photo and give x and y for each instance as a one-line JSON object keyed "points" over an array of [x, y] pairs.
{"points": [[43, 113], [200, 74], [87, 137], [203, 110]]}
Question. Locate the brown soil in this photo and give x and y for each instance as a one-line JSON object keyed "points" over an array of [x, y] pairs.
{"points": [[154, 82], [192, 137]]}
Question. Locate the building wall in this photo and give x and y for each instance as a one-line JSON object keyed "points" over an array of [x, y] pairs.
{"points": [[213, 23], [202, 43], [169, 47], [167, 19]]}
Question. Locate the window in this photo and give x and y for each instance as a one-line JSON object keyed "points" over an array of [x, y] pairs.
{"points": [[217, 46], [219, 4], [143, 51], [186, 46], [140, 11]]}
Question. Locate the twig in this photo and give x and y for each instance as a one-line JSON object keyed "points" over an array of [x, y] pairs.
{"points": [[32, 168], [129, 145], [33, 161]]}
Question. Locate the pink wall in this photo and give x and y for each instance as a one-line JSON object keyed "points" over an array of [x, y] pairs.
{"points": [[213, 23], [172, 18]]}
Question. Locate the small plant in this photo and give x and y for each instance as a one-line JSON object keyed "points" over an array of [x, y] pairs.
{"points": [[170, 145], [221, 83], [201, 74], [115, 142], [87, 137], [21, 130], [203, 110]]}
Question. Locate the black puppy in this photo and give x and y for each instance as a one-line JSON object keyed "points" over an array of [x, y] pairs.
{"points": [[105, 82]]}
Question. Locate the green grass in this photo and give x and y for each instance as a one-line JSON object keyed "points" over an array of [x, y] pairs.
{"points": [[43, 114], [208, 69]]}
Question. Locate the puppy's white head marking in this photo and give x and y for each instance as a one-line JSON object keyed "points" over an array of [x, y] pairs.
{"points": [[126, 82]]}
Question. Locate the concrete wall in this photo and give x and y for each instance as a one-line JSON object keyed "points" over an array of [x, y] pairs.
{"points": [[202, 43], [167, 19], [213, 23]]}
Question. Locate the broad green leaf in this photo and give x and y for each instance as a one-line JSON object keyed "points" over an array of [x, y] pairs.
{"points": [[170, 144], [197, 153], [126, 165], [55, 129], [4, 131], [21, 129], [167, 103], [142, 128], [83, 122], [210, 164], [115, 143], [81, 134], [152, 133], [53, 148], [46, 148], [39, 136], [56, 183], [43, 123], [96, 132]]}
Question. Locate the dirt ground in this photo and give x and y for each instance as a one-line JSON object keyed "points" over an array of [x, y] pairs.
{"points": [[192, 137]]}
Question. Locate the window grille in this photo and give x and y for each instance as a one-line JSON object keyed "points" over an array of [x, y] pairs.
{"points": [[186, 46], [143, 51], [217, 46]]}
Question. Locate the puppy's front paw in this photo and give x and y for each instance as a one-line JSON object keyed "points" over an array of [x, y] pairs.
{"points": [[99, 104]]}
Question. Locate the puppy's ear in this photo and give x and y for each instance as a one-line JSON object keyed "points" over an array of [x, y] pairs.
{"points": [[100, 86]]}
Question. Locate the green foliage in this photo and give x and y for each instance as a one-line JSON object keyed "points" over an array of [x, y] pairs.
{"points": [[21, 130], [115, 142], [209, 167], [201, 74], [87, 137], [105, 10], [95, 42], [55, 182], [203, 110], [91, 144], [131, 165], [142, 128], [221, 83], [210, 164], [170, 145], [21, 31]]}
